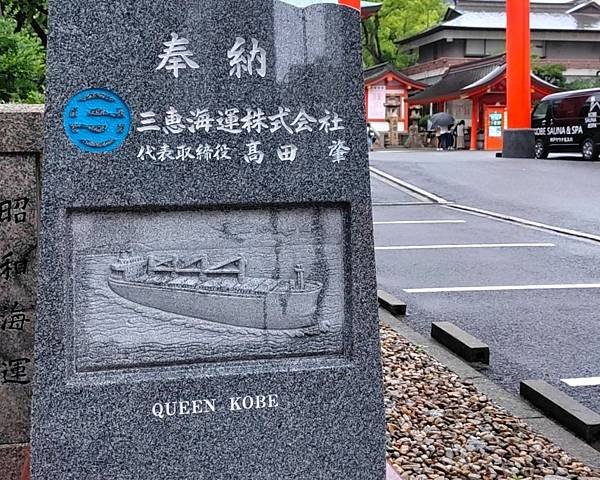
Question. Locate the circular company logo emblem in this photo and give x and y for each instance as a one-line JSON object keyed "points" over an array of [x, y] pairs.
{"points": [[97, 120]]}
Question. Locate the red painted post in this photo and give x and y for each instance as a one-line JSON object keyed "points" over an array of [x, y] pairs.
{"points": [[405, 110], [518, 64], [351, 3], [474, 122]]}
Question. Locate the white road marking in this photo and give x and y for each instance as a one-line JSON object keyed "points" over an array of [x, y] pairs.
{"points": [[487, 213], [418, 222], [582, 382], [501, 288], [409, 186], [527, 223], [395, 186], [474, 245]]}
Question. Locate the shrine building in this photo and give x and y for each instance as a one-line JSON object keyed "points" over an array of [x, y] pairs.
{"points": [[563, 32], [387, 95], [476, 93]]}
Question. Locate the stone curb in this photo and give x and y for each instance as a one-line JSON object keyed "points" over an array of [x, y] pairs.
{"points": [[509, 401], [391, 303], [566, 410], [460, 342]]}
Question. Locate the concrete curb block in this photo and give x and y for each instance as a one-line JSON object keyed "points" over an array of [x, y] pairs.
{"points": [[460, 342], [507, 400], [391, 303], [568, 412]]}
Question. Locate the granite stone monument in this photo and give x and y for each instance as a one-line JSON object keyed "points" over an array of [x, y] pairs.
{"points": [[20, 147], [207, 304]]}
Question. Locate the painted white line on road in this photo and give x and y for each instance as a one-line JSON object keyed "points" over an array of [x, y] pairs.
{"points": [[418, 222], [582, 382], [420, 191], [502, 288], [395, 186], [529, 223], [488, 213], [473, 245]]}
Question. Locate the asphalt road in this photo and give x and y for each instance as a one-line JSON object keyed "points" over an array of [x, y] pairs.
{"points": [[562, 191], [531, 294]]}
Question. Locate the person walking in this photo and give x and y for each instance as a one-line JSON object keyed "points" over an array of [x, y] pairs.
{"points": [[460, 135], [444, 144], [371, 136], [438, 138]]}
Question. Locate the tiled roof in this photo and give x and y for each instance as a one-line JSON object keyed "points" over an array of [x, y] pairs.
{"points": [[562, 5], [539, 21], [376, 70], [459, 77], [383, 68], [590, 6], [559, 15], [463, 79]]}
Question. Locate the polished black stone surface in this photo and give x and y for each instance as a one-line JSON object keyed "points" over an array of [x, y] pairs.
{"points": [[313, 413]]}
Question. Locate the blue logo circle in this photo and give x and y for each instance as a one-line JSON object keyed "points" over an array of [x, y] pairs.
{"points": [[97, 120]]}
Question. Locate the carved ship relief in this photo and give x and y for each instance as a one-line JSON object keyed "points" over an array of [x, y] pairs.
{"points": [[220, 293]]}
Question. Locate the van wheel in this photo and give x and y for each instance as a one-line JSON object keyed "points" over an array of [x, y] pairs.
{"points": [[589, 150], [540, 149]]}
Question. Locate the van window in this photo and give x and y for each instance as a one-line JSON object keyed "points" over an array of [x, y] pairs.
{"points": [[585, 109], [568, 107], [541, 111]]}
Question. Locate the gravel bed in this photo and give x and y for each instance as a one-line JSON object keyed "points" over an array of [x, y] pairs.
{"points": [[441, 427]]}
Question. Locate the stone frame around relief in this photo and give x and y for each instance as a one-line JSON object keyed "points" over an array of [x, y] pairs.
{"points": [[285, 266]]}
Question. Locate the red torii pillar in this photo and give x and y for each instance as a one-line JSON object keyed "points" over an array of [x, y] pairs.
{"points": [[519, 140], [518, 64]]}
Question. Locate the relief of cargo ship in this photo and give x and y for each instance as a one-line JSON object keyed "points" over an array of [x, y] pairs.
{"points": [[221, 293]]}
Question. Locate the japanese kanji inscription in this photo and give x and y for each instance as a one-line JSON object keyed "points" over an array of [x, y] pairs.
{"points": [[207, 274]]}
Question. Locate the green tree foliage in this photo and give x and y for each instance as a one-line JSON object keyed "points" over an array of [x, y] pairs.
{"points": [[553, 73], [583, 83], [31, 15], [22, 65], [396, 20]]}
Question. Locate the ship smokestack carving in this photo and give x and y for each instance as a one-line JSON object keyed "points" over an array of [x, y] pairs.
{"points": [[300, 284]]}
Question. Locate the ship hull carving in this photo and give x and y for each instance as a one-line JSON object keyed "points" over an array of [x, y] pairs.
{"points": [[220, 294]]}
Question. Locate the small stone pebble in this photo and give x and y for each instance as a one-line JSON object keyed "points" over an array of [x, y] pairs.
{"points": [[441, 427]]}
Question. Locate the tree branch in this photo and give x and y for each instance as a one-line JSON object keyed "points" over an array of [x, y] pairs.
{"points": [[20, 17], [40, 32]]}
